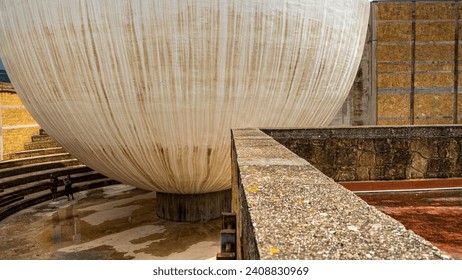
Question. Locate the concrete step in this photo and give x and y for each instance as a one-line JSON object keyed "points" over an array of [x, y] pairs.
{"points": [[9, 199], [41, 138], [35, 153], [23, 169], [45, 195], [12, 181], [37, 186], [93, 184], [36, 159], [41, 145]]}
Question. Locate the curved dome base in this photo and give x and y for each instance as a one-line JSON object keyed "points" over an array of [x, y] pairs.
{"points": [[193, 207]]}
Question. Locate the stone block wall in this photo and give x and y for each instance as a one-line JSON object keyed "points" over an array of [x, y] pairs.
{"points": [[409, 71], [417, 62], [378, 153], [17, 125]]}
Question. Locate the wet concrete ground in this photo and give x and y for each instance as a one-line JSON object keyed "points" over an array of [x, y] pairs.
{"points": [[116, 222], [119, 222], [434, 215]]}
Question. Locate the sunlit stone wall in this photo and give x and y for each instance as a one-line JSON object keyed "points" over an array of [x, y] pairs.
{"points": [[17, 125], [416, 62]]}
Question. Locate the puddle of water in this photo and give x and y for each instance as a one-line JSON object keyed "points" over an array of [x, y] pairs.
{"points": [[66, 227], [106, 223]]}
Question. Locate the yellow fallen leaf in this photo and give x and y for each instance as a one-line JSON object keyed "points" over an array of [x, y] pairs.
{"points": [[253, 189], [273, 250]]}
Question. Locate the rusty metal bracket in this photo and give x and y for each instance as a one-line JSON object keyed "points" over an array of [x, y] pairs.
{"points": [[228, 237]]}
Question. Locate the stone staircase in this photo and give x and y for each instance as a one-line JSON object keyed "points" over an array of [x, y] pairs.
{"points": [[24, 178]]}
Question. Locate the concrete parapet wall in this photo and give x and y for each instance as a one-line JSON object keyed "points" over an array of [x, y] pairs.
{"points": [[288, 209], [378, 153]]}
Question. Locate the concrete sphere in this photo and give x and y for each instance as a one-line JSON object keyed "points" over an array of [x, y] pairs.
{"points": [[146, 91]]}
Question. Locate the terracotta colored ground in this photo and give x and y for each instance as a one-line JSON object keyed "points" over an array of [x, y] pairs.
{"points": [[435, 215]]}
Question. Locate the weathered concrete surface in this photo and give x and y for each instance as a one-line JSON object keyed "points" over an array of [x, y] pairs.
{"points": [[110, 223], [193, 207], [287, 209], [359, 107]]}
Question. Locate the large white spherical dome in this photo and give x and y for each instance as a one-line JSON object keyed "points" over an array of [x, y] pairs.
{"points": [[146, 91]]}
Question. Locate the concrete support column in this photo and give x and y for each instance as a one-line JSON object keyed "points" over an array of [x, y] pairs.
{"points": [[193, 207]]}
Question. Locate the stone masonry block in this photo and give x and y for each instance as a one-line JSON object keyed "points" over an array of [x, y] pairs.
{"points": [[399, 143], [434, 11], [366, 145], [434, 31], [443, 148], [344, 176], [434, 52], [362, 173], [439, 165], [395, 172], [419, 163], [393, 53], [394, 11], [402, 156], [14, 139], [303, 149], [393, 68], [458, 166], [394, 121], [422, 147], [16, 117], [382, 145], [346, 156], [434, 67], [377, 173], [394, 31], [9, 99], [434, 80], [383, 158], [415, 174], [433, 104], [433, 121], [325, 157], [393, 105], [366, 158], [393, 80]]}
